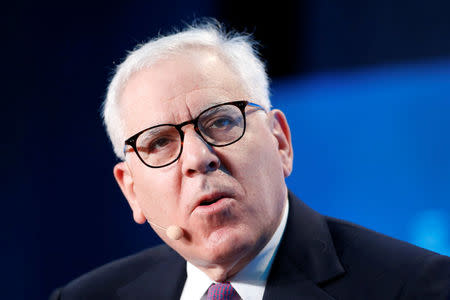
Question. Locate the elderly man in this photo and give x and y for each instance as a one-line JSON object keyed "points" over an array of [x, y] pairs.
{"points": [[203, 162]]}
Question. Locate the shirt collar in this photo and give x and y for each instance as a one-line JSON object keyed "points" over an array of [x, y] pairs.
{"points": [[250, 282]]}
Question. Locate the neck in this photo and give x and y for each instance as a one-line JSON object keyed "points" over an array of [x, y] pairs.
{"points": [[223, 271], [226, 270]]}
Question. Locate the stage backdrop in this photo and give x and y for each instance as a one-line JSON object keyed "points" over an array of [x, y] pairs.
{"points": [[373, 146]]}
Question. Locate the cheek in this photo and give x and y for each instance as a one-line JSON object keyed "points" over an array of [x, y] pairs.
{"points": [[157, 194], [258, 169], [258, 159]]}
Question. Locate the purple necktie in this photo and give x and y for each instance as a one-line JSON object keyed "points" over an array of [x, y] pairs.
{"points": [[222, 291]]}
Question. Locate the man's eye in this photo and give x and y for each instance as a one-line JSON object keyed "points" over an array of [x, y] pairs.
{"points": [[221, 123], [158, 145]]}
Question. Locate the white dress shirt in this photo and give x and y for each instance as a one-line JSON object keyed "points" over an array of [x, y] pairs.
{"points": [[250, 282]]}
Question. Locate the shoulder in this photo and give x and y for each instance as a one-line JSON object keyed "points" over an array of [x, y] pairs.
{"points": [[371, 256], [349, 239], [103, 282]]}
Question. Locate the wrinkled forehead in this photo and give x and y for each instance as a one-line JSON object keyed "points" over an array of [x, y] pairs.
{"points": [[177, 88]]}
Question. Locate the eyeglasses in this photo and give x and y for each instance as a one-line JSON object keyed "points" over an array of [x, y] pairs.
{"points": [[219, 126]]}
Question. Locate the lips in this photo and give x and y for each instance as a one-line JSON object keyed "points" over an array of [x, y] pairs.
{"points": [[211, 201], [208, 202]]}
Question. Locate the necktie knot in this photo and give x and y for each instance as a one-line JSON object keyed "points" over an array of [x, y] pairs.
{"points": [[222, 291]]}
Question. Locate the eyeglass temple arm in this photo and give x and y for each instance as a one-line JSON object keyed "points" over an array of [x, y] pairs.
{"points": [[131, 149], [257, 106], [127, 149]]}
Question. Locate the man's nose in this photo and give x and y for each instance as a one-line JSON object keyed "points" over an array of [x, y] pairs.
{"points": [[197, 157]]}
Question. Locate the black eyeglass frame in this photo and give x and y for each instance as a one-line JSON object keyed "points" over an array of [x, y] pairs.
{"points": [[241, 104]]}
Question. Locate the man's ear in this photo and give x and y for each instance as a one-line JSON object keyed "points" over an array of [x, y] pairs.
{"points": [[124, 178], [282, 133]]}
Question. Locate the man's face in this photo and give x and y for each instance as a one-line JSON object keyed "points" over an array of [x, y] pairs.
{"points": [[228, 200]]}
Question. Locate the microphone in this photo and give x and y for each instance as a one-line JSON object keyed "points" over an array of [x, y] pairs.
{"points": [[173, 232]]}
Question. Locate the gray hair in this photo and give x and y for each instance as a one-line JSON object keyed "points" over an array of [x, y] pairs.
{"points": [[237, 49]]}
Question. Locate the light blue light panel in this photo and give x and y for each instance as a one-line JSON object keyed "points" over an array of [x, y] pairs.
{"points": [[372, 146]]}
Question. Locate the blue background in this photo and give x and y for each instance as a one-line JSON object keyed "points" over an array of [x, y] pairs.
{"points": [[365, 86], [372, 146]]}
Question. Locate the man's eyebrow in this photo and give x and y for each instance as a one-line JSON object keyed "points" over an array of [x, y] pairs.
{"points": [[155, 130], [213, 109], [206, 107], [214, 103]]}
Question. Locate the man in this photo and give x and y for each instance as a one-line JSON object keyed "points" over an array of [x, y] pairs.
{"points": [[203, 162]]}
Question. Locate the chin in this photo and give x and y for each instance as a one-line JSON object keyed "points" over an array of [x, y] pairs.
{"points": [[224, 247]]}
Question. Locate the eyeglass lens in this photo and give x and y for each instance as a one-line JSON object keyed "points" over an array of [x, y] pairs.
{"points": [[218, 126]]}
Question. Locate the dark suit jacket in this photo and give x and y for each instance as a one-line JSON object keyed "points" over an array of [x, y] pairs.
{"points": [[318, 258]]}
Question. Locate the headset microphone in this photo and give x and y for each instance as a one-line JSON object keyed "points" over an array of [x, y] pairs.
{"points": [[173, 232]]}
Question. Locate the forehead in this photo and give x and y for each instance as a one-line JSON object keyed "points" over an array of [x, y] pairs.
{"points": [[177, 88]]}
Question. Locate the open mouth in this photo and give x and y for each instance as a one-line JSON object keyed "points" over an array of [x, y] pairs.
{"points": [[210, 201], [213, 203]]}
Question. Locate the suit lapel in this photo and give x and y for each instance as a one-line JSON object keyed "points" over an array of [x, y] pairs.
{"points": [[164, 280], [306, 257]]}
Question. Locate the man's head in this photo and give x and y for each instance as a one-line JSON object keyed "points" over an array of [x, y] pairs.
{"points": [[228, 200]]}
